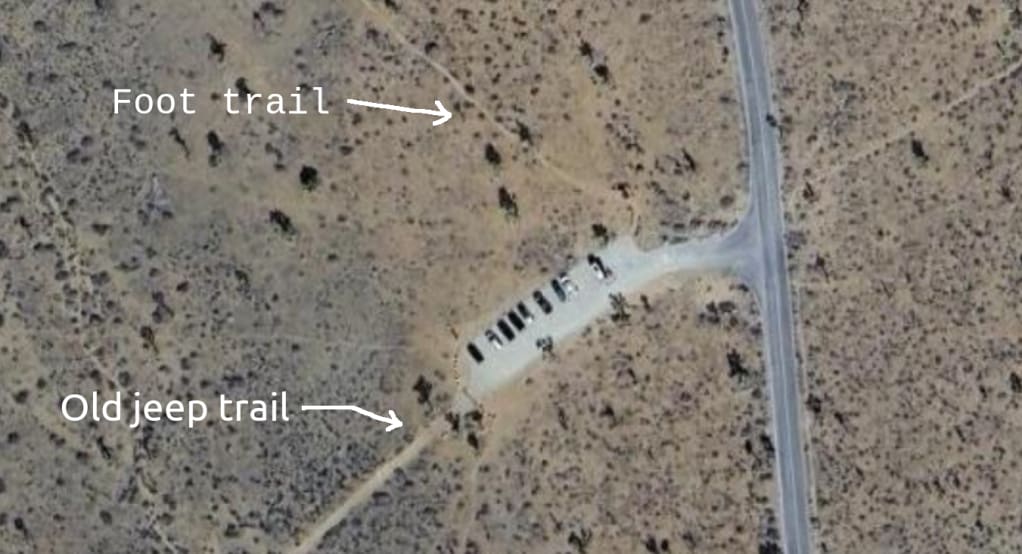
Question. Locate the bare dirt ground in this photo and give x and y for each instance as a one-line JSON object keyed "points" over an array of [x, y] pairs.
{"points": [[902, 223], [635, 103], [337, 257], [855, 76], [645, 435]]}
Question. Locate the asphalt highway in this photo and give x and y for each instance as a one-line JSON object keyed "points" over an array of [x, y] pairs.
{"points": [[768, 273], [754, 250]]}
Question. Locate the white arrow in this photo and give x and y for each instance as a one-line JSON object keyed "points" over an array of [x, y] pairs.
{"points": [[393, 421], [441, 112]]}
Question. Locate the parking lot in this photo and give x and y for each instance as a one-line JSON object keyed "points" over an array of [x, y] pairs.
{"points": [[503, 359]]}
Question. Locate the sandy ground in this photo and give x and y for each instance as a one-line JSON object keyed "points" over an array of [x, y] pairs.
{"points": [[908, 271], [855, 76], [187, 256], [634, 103], [629, 440]]}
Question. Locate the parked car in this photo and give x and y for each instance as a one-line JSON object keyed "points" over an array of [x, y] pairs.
{"points": [[569, 286], [494, 339], [523, 311], [602, 272], [542, 302], [515, 320], [558, 290], [474, 352], [505, 330]]}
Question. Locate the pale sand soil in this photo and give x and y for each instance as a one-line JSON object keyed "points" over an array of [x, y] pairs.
{"points": [[908, 269], [635, 437], [852, 76], [135, 261], [637, 103]]}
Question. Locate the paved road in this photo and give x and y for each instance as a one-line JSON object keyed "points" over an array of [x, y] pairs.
{"points": [[770, 277], [754, 249]]}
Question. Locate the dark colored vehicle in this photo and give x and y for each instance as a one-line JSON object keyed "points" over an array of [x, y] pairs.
{"points": [[523, 311], [515, 320], [542, 302], [505, 330], [474, 352], [556, 285]]}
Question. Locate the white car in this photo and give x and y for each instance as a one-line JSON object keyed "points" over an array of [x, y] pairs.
{"points": [[494, 339], [569, 286], [523, 311], [602, 272]]}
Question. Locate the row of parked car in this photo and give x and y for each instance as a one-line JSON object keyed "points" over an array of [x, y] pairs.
{"points": [[520, 316]]}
